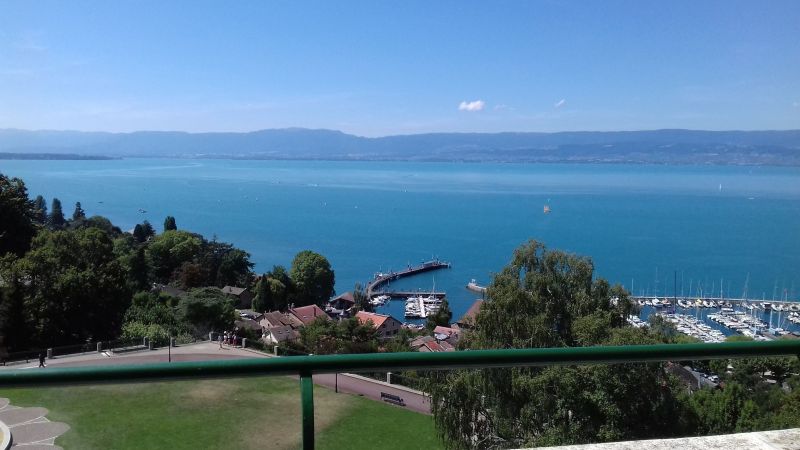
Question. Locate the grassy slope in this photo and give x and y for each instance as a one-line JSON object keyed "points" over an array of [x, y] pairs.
{"points": [[232, 413]]}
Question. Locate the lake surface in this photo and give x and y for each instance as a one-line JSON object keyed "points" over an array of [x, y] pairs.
{"points": [[644, 226]]}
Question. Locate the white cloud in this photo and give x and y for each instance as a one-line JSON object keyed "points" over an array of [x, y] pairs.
{"points": [[560, 103], [473, 106]]}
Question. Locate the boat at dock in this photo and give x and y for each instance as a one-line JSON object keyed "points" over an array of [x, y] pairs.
{"points": [[475, 287]]}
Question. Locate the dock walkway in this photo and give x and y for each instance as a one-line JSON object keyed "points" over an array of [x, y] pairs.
{"points": [[383, 278]]}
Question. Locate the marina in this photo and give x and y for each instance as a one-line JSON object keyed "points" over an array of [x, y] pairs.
{"points": [[711, 319]]}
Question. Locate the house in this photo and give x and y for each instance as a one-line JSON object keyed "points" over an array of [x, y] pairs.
{"points": [[308, 314], [169, 290], [341, 305], [278, 319], [446, 334], [387, 326], [436, 346], [243, 296], [249, 324], [467, 321], [276, 335]]}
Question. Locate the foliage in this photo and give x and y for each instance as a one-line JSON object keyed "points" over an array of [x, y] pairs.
{"points": [[79, 213], [361, 300], [75, 288], [56, 219], [234, 269], [154, 333], [312, 278], [550, 299], [323, 337], [40, 210], [206, 309], [441, 317], [273, 290], [17, 216], [170, 250], [169, 224]]}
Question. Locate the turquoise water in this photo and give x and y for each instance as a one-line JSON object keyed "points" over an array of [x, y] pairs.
{"points": [[640, 224]]}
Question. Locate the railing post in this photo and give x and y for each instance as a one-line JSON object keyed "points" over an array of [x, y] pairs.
{"points": [[307, 399]]}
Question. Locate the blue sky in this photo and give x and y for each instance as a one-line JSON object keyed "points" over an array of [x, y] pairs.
{"points": [[378, 67]]}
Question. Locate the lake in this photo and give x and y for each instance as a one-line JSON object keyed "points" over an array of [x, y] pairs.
{"points": [[655, 228]]}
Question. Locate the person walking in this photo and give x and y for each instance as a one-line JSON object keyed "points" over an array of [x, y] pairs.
{"points": [[41, 359]]}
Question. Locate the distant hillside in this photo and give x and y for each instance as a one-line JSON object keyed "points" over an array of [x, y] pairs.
{"points": [[658, 146]]}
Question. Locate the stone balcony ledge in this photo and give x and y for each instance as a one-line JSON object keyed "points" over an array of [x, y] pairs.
{"points": [[762, 440]]}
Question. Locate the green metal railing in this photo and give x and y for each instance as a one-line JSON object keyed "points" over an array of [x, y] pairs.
{"points": [[306, 366]]}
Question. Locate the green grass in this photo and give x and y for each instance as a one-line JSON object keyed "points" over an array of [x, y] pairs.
{"points": [[244, 413]]}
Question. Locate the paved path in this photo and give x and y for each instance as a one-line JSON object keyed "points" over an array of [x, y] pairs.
{"points": [[762, 440], [29, 427], [347, 383]]}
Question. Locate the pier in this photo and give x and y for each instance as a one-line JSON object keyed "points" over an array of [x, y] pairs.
{"points": [[406, 294], [383, 278]]}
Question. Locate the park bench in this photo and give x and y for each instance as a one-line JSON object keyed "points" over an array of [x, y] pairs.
{"points": [[391, 398]]}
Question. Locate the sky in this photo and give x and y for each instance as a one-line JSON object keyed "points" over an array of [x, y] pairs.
{"points": [[377, 68]]}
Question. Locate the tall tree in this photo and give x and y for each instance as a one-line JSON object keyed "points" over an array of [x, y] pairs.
{"points": [[40, 210], [312, 277], [361, 300], [75, 288], [263, 299], [169, 224], [235, 269], [56, 219], [551, 299], [79, 213], [16, 217]]}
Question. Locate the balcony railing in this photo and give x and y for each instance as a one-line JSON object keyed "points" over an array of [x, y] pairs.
{"points": [[306, 366]]}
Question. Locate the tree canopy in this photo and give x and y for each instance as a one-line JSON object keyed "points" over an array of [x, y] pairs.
{"points": [[17, 216], [549, 299], [313, 278]]}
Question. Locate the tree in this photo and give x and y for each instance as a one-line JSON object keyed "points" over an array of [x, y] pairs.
{"points": [[235, 269], [312, 277], [56, 220], [169, 224], [262, 301], [206, 309], [17, 226], [441, 317], [74, 287], [169, 250], [79, 214], [361, 300], [40, 210], [551, 299]]}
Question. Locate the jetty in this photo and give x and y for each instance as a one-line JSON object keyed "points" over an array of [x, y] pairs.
{"points": [[383, 278]]}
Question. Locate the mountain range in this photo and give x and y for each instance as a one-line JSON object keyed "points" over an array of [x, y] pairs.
{"points": [[671, 146]]}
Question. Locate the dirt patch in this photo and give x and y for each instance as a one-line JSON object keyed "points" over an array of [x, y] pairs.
{"points": [[281, 422], [210, 391]]}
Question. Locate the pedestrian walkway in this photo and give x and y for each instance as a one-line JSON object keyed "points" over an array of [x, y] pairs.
{"points": [[29, 428]]}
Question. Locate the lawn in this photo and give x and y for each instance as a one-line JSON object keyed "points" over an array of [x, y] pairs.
{"points": [[246, 413]]}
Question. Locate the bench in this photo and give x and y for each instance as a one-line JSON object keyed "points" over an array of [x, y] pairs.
{"points": [[391, 398]]}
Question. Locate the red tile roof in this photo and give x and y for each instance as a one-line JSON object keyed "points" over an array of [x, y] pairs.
{"points": [[308, 314], [377, 319]]}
